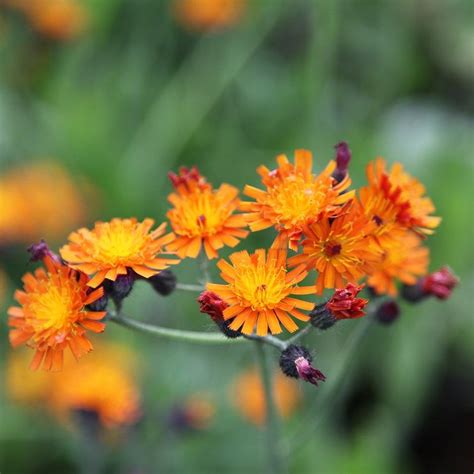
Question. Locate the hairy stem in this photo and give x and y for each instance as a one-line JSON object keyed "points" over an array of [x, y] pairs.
{"points": [[275, 465], [189, 287]]}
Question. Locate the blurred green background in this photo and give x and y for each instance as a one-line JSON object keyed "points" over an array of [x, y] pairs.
{"points": [[140, 91]]}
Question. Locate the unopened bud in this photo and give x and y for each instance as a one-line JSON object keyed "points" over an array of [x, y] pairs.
{"points": [[295, 361], [164, 283], [387, 312], [439, 284], [119, 289], [214, 306], [41, 250], [343, 157]]}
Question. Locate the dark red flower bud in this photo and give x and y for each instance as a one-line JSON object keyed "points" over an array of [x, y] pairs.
{"points": [[344, 303], [343, 157], [164, 282], [440, 283], [187, 178], [214, 306], [41, 250], [295, 361], [387, 312]]}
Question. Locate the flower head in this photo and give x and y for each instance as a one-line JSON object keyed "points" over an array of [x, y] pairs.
{"points": [[202, 216], [249, 398], [403, 259], [194, 413], [204, 15], [259, 292], [344, 303], [53, 314], [439, 284], [111, 248], [405, 193], [341, 249], [294, 197], [295, 361]]}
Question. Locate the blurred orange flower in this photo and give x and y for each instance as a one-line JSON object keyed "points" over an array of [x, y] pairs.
{"points": [[104, 384], [404, 192], [259, 292], [294, 197], [403, 259], [110, 248], [205, 15], [38, 201], [202, 216], [248, 397], [53, 314], [341, 249], [56, 19]]}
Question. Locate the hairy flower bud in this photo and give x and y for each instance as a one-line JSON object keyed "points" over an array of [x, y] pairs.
{"points": [[100, 304], [164, 282], [343, 157], [295, 361], [439, 284], [387, 312], [41, 250], [119, 289], [343, 304], [214, 306]]}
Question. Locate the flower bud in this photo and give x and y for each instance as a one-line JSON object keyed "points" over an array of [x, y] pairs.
{"points": [[100, 304], [41, 250], [214, 306], [164, 282], [343, 304], [343, 157], [187, 178], [387, 312], [295, 361], [121, 287], [439, 284]]}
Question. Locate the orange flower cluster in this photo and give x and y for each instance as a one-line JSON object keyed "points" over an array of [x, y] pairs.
{"points": [[344, 236], [55, 19], [104, 384], [29, 216]]}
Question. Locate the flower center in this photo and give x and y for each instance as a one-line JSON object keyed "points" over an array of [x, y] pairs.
{"points": [[332, 249], [260, 287], [200, 215], [295, 199], [118, 245]]}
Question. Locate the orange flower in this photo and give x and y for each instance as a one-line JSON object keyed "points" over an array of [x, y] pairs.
{"points": [[403, 259], [340, 249], [56, 19], [204, 15], [248, 396], [202, 216], [104, 383], [294, 197], [259, 292], [404, 192], [110, 248], [53, 314], [52, 204]]}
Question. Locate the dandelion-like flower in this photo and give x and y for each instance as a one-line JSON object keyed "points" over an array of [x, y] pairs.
{"points": [[260, 292], [403, 259], [111, 248], [53, 314], [406, 193], [294, 197], [202, 216], [248, 396], [341, 249]]}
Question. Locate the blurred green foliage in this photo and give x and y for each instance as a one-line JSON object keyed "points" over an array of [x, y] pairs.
{"points": [[137, 95]]}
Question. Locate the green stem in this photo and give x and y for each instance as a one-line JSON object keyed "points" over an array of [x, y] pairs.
{"points": [[189, 287], [275, 465]]}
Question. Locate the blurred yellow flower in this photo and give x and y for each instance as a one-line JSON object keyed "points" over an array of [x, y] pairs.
{"points": [[39, 200], [248, 397], [204, 15], [111, 248], [105, 385]]}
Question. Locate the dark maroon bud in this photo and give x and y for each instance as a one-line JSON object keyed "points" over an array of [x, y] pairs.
{"points": [[321, 317], [41, 250], [164, 283], [413, 293], [100, 304], [387, 312], [439, 284], [295, 361], [343, 157], [214, 306], [119, 289]]}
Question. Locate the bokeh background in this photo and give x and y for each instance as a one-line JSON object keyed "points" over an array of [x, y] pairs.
{"points": [[99, 99]]}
